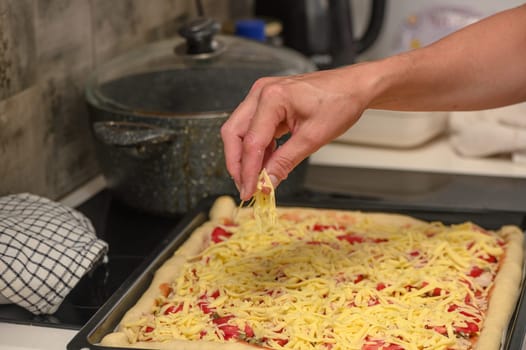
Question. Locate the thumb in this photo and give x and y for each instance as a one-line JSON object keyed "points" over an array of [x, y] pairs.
{"points": [[286, 158]]}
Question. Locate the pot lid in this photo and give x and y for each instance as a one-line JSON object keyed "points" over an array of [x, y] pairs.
{"points": [[196, 73]]}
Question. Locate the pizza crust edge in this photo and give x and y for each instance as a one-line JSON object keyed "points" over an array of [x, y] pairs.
{"points": [[505, 291]]}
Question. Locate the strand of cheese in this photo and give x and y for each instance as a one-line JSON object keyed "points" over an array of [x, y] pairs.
{"points": [[265, 211]]}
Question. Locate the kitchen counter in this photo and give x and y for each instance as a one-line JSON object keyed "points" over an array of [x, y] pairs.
{"points": [[22, 337], [436, 156]]}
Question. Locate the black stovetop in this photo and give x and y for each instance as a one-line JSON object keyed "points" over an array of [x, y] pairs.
{"points": [[131, 236]]}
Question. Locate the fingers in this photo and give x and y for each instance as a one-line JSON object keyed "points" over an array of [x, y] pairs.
{"points": [[234, 130], [254, 152], [265, 124]]}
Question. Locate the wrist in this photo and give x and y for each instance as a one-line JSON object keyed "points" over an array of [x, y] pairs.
{"points": [[365, 83], [389, 77]]}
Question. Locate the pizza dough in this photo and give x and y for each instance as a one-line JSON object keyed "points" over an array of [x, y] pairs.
{"points": [[400, 264]]}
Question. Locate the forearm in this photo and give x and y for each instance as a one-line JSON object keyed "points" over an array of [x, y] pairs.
{"points": [[439, 77]]}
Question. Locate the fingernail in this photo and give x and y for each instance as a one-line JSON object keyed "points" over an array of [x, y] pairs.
{"points": [[242, 194], [274, 180]]}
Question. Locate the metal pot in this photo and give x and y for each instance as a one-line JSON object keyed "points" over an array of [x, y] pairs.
{"points": [[156, 113]]}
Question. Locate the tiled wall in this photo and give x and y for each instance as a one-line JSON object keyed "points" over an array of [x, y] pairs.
{"points": [[47, 49]]}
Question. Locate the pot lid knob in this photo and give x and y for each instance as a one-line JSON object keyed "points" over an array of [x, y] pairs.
{"points": [[199, 34]]}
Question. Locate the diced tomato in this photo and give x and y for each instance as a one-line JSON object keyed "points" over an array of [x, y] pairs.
{"points": [[148, 329], [173, 309], [249, 332], [414, 253], [373, 302], [222, 320], [470, 245], [165, 289], [359, 278], [319, 227], [229, 331], [409, 287], [436, 292], [351, 238], [215, 294], [466, 314], [281, 342], [476, 271], [380, 240], [468, 283], [438, 329], [202, 334], [470, 329], [219, 234], [490, 258], [380, 286], [452, 308], [203, 305]]}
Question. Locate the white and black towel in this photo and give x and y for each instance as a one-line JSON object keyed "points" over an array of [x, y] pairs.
{"points": [[45, 248]]}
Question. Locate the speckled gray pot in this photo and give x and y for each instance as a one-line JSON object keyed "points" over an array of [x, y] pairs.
{"points": [[169, 176]]}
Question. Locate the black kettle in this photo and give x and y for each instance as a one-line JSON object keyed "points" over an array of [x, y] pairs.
{"points": [[323, 29]]}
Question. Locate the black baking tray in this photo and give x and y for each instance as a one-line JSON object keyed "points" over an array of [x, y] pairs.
{"points": [[106, 319]]}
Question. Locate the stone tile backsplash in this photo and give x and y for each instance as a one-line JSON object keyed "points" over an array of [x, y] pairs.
{"points": [[47, 50], [17, 47]]}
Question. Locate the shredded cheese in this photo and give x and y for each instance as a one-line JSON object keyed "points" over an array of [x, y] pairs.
{"points": [[264, 202], [329, 280]]}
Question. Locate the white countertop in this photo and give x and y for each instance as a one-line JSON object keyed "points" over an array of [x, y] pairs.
{"points": [[434, 156], [21, 337]]}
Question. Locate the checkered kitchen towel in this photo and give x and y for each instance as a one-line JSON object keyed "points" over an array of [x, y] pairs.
{"points": [[45, 248]]}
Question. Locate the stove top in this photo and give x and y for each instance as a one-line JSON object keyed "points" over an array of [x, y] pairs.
{"points": [[131, 236]]}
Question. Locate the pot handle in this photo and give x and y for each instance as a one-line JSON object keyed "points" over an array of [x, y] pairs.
{"points": [[130, 134]]}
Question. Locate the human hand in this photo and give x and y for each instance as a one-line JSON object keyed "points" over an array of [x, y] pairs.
{"points": [[315, 108]]}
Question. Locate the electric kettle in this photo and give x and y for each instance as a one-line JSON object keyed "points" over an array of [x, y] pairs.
{"points": [[323, 29]]}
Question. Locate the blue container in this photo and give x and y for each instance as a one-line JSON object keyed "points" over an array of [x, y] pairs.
{"points": [[251, 29]]}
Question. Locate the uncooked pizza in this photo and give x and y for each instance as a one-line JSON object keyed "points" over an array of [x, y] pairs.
{"points": [[305, 278]]}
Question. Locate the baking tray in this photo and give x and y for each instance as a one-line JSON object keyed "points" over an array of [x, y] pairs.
{"points": [[106, 319]]}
